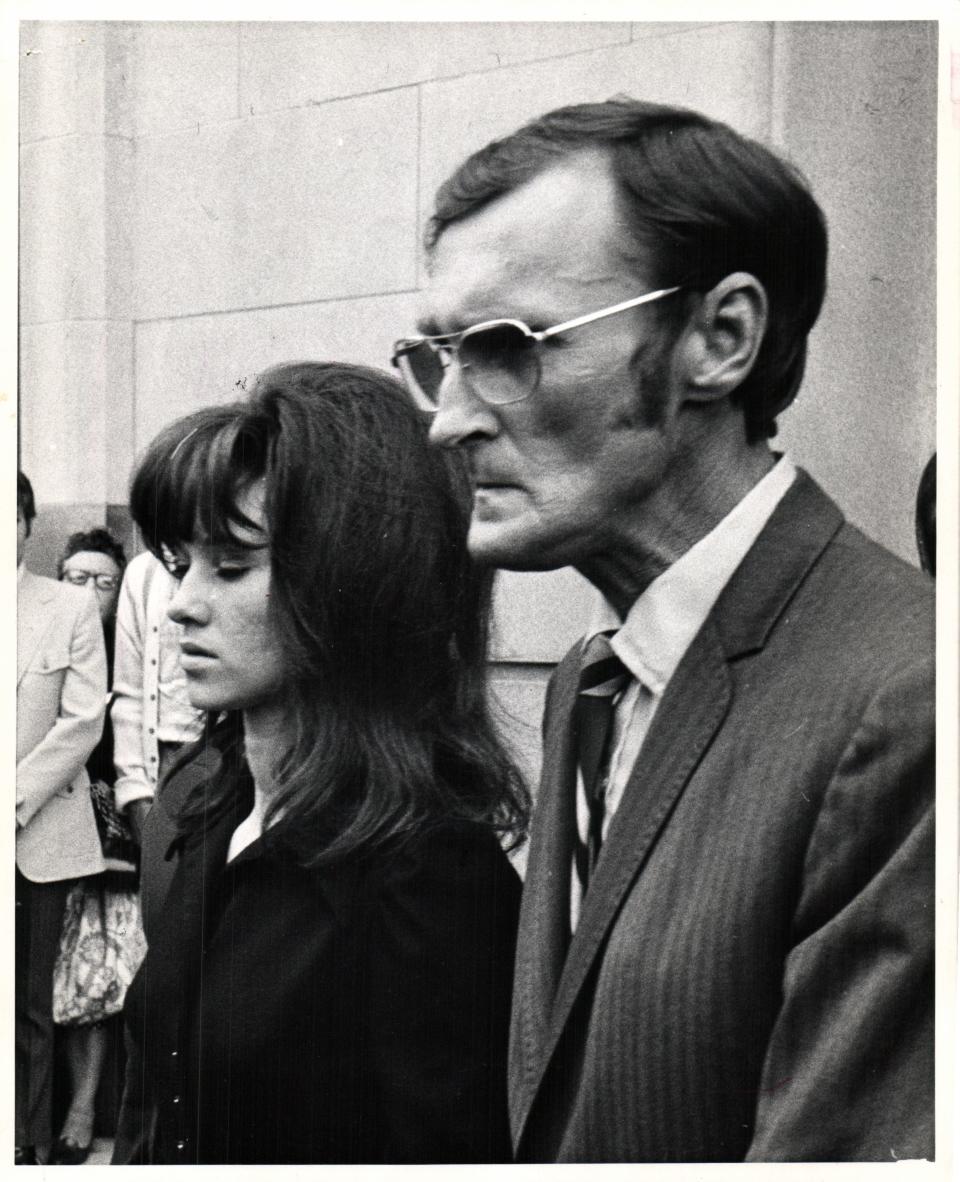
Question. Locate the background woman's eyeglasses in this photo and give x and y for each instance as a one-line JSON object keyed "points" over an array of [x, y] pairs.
{"points": [[499, 359], [80, 578]]}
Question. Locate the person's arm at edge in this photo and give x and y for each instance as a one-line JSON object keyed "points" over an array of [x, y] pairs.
{"points": [[133, 790]]}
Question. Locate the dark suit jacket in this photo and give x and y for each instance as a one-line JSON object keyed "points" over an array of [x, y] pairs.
{"points": [[752, 972], [354, 1014]]}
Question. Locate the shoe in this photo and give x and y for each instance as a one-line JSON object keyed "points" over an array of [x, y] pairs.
{"points": [[66, 1152], [24, 1155]]}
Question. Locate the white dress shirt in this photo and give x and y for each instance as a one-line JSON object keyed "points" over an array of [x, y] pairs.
{"points": [[150, 701], [659, 629]]}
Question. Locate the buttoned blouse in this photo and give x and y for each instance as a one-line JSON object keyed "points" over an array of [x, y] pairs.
{"points": [[150, 702]]}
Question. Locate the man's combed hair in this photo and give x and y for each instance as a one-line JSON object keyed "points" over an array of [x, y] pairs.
{"points": [[380, 616], [98, 541], [701, 200]]}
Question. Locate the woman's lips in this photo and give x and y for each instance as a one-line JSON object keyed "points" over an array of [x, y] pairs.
{"points": [[190, 653]]}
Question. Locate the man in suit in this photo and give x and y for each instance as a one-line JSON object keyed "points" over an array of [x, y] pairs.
{"points": [[726, 939], [61, 701]]}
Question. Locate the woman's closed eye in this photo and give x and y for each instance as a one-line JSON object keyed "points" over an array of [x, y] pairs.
{"points": [[233, 562], [232, 570], [229, 569]]}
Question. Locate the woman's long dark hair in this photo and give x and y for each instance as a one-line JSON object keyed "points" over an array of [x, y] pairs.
{"points": [[380, 615]]}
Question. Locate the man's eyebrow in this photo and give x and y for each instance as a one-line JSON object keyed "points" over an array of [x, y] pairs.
{"points": [[428, 327], [498, 307]]}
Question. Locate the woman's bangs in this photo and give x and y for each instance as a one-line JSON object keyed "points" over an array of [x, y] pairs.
{"points": [[193, 489]]}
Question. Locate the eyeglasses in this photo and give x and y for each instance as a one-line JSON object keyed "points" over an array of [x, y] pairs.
{"points": [[498, 358], [80, 578]]}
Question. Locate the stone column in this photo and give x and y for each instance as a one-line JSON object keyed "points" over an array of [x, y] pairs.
{"points": [[76, 332]]}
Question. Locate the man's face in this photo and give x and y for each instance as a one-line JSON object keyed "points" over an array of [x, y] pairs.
{"points": [[89, 564], [555, 476]]}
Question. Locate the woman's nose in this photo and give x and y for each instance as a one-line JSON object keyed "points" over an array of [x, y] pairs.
{"points": [[190, 603]]}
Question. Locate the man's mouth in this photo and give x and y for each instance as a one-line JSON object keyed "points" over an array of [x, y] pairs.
{"points": [[488, 485]]}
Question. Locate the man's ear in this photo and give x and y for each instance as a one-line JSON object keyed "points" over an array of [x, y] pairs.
{"points": [[723, 337]]}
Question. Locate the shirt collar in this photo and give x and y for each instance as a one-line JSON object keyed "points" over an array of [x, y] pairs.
{"points": [[663, 621]]}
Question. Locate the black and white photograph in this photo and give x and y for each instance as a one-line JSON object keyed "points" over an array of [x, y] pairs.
{"points": [[476, 570]]}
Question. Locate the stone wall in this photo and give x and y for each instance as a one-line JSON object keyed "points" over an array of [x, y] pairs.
{"points": [[202, 200]]}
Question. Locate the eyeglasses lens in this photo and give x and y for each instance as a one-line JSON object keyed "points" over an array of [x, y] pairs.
{"points": [[422, 369], [80, 578], [500, 363]]}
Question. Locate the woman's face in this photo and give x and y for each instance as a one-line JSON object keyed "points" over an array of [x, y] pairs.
{"points": [[86, 567], [228, 651]]}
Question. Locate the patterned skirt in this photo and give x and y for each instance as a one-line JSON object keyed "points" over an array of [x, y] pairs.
{"points": [[101, 947]]}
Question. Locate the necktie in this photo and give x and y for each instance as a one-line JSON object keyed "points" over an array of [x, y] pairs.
{"points": [[602, 677]]}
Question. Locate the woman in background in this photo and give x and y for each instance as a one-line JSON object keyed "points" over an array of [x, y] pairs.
{"points": [[94, 558], [329, 979], [88, 988]]}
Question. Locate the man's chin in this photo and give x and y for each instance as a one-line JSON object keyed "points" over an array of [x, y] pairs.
{"points": [[496, 544]]}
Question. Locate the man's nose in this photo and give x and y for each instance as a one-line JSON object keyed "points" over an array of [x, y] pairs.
{"points": [[461, 416]]}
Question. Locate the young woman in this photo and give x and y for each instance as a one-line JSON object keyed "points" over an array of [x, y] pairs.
{"points": [[329, 978]]}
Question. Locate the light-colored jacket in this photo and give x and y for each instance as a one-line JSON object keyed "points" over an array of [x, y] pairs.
{"points": [[141, 611], [61, 702]]}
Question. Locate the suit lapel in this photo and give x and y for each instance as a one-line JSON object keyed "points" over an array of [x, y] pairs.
{"points": [[698, 696], [545, 909], [798, 532], [687, 720], [692, 710], [33, 618]]}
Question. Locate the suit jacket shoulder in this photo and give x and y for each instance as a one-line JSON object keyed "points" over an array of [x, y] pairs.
{"points": [[61, 701], [760, 918]]}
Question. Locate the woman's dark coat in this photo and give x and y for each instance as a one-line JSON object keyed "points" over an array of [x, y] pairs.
{"points": [[353, 1014]]}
